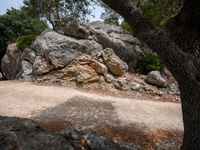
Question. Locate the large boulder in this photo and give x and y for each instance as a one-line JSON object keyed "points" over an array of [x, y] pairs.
{"points": [[84, 70], [41, 66], [11, 62], [60, 50], [125, 46], [155, 78], [24, 134], [114, 63], [80, 71], [74, 29]]}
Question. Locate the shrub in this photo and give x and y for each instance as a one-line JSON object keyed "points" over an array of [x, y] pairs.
{"points": [[25, 41], [151, 62], [124, 25]]}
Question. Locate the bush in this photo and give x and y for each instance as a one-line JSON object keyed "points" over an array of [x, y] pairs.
{"points": [[25, 41], [151, 62], [124, 25]]}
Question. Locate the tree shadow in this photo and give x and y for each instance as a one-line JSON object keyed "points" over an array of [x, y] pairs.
{"points": [[80, 110]]}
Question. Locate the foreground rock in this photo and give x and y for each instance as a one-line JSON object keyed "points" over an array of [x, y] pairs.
{"points": [[11, 62], [24, 134], [1, 77]]}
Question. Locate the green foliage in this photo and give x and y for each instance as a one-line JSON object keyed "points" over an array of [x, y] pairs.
{"points": [[160, 11], [58, 10], [25, 41], [151, 62], [16, 23], [124, 25]]}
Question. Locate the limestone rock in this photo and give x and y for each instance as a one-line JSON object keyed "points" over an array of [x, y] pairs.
{"points": [[125, 46], [125, 37], [24, 134], [11, 63], [155, 78], [136, 86], [27, 69], [120, 85], [106, 27], [98, 142], [29, 55], [1, 76], [100, 68], [60, 50], [109, 78], [114, 63], [52, 55], [40, 66], [81, 72], [73, 29]]}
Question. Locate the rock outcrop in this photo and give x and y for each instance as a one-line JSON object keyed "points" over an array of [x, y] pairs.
{"points": [[78, 52], [12, 62], [24, 134]]}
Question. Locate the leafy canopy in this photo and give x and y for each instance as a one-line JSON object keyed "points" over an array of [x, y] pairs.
{"points": [[16, 23], [25, 41], [160, 11], [58, 10]]}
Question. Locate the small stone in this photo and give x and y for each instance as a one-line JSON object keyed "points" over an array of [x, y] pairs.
{"points": [[155, 78], [136, 86], [109, 78]]}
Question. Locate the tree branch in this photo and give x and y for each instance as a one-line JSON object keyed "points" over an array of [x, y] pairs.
{"points": [[178, 62]]}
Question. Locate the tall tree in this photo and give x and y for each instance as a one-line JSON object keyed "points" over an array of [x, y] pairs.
{"points": [[175, 49], [58, 10]]}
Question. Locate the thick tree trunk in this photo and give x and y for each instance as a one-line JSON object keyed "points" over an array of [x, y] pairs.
{"points": [[190, 97], [177, 58], [185, 31]]}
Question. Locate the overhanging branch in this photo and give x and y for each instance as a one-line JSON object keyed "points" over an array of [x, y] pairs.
{"points": [[178, 62]]}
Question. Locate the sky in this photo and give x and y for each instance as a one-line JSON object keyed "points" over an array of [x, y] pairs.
{"points": [[7, 4]]}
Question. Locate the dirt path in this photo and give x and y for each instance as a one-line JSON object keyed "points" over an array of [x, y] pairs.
{"points": [[51, 103]]}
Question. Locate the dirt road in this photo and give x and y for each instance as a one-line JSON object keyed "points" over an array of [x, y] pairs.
{"points": [[51, 103]]}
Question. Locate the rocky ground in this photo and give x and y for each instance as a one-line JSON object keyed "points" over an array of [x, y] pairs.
{"points": [[90, 56], [142, 122], [85, 76]]}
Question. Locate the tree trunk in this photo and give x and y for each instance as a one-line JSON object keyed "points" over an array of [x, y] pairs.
{"points": [[176, 56], [190, 97]]}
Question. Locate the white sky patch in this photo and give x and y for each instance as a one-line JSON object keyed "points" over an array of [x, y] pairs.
{"points": [[7, 4], [96, 13]]}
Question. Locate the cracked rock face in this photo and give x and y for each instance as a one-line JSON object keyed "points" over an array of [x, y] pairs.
{"points": [[114, 63], [25, 134], [57, 56]]}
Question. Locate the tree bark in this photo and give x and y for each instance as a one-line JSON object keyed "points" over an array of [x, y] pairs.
{"points": [[190, 97], [175, 54]]}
